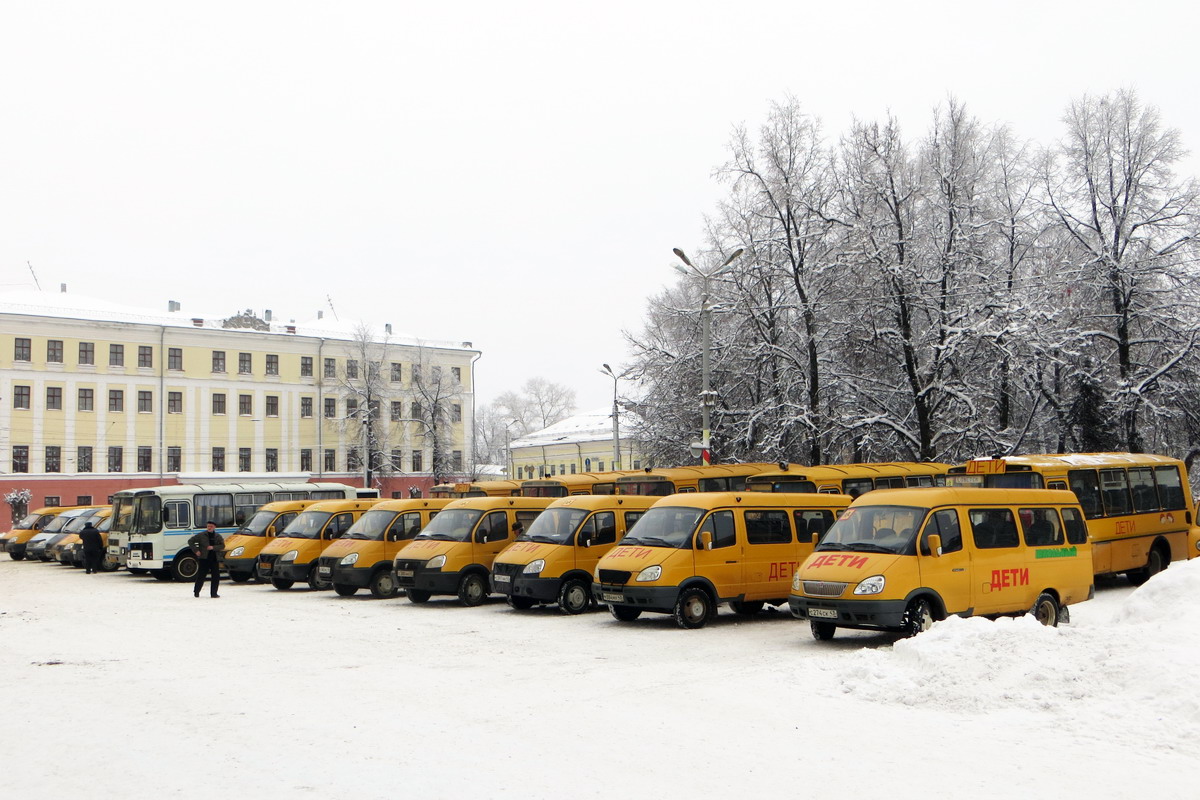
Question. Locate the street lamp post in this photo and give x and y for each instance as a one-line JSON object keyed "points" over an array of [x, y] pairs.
{"points": [[707, 396], [616, 462]]}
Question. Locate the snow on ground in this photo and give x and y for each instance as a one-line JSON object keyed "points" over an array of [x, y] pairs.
{"points": [[120, 686]]}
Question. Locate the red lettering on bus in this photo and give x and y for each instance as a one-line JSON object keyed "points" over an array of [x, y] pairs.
{"points": [[842, 560], [1006, 578]]}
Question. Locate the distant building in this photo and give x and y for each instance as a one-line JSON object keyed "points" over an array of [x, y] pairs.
{"points": [[96, 397], [582, 443]]}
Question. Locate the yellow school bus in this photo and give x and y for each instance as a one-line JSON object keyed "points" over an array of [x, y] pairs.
{"points": [[691, 552], [553, 560], [674, 480], [243, 546], [15, 542], [1139, 507], [900, 559], [363, 557], [292, 556], [849, 479], [453, 555], [579, 483], [455, 491]]}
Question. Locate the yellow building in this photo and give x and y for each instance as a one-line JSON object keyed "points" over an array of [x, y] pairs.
{"points": [[582, 443], [95, 397]]}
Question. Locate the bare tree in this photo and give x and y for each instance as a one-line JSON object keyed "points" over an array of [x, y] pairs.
{"points": [[538, 404]]}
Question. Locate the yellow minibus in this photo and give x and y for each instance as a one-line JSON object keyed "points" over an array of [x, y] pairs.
{"points": [[455, 491], [712, 478], [849, 479], [292, 556], [578, 483], [243, 546]]}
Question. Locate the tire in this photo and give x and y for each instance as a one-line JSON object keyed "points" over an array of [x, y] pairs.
{"points": [[822, 631], [1045, 610], [108, 564], [694, 608], [521, 603], [418, 595], [239, 577], [624, 613], [918, 617], [575, 596], [472, 589], [316, 582], [383, 584], [1155, 563], [185, 567], [17, 556], [282, 583], [747, 608], [344, 590]]}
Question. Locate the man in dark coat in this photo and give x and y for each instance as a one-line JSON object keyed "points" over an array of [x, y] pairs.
{"points": [[93, 548], [209, 546]]}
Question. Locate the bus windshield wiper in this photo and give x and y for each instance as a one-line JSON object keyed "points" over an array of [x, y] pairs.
{"points": [[866, 547], [654, 541]]}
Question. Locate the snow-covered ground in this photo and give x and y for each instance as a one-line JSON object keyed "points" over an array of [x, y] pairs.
{"points": [[119, 686]]}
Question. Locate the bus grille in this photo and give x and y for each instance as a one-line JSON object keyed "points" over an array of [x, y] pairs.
{"points": [[507, 569], [328, 561], [618, 577], [824, 588]]}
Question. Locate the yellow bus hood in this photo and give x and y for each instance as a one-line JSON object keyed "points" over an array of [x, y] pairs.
{"points": [[846, 567], [425, 549], [635, 558], [523, 553]]}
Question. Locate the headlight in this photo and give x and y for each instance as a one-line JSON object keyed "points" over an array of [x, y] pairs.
{"points": [[796, 583], [237, 551], [872, 585], [290, 555], [437, 562], [650, 573], [350, 559], [535, 566]]}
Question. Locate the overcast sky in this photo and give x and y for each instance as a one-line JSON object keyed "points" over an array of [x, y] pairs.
{"points": [[513, 174]]}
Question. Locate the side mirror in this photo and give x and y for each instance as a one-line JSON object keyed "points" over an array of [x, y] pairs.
{"points": [[270, 530], [166, 514], [816, 537], [935, 545], [587, 542], [706, 540]]}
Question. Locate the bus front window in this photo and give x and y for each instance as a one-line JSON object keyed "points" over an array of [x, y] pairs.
{"points": [[123, 514], [665, 527], [876, 529], [148, 516]]}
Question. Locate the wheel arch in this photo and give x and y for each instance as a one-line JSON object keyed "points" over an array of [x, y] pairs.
{"points": [[939, 605]]}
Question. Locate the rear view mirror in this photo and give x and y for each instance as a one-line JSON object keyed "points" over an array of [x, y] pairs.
{"points": [[935, 545], [270, 530], [816, 537], [166, 514], [706, 540]]}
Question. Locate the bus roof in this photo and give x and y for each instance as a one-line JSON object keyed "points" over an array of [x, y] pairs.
{"points": [[755, 500], [712, 470], [928, 497], [411, 503], [1063, 461], [866, 469], [596, 502], [495, 503]]}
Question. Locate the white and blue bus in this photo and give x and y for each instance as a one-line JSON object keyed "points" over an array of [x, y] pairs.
{"points": [[151, 526]]}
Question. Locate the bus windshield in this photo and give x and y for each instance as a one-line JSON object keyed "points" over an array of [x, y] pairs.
{"points": [[122, 514], [371, 526], [57, 524], [147, 517], [876, 529], [665, 527], [29, 523], [307, 525], [554, 526], [454, 525], [1002, 480]]}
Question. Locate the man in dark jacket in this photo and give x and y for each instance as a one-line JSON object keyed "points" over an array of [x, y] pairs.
{"points": [[93, 548], [208, 546]]}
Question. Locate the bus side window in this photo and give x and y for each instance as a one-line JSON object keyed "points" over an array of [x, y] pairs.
{"points": [[603, 529], [494, 528], [768, 527], [945, 524], [1076, 530], [1087, 489], [339, 525], [631, 517], [1141, 486], [1114, 486], [993, 528], [1043, 528], [720, 524], [1170, 488], [856, 486], [810, 522]]}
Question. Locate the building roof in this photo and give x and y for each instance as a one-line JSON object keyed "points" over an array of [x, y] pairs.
{"points": [[587, 426]]}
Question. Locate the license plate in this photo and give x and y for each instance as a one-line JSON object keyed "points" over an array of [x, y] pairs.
{"points": [[609, 597], [265, 566], [404, 573], [823, 613], [502, 578], [323, 570]]}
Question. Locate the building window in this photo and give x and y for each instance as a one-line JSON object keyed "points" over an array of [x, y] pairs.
{"points": [[53, 458], [116, 357], [330, 368], [246, 405], [330, 407], [175, 358], [306, 460], [116, 459], [21, 397], [145, 356], [398, 460], [305, 366], [87, 398], [351, 408], [416, 410], [174, 459], [83, 499], [272, 365], [353, 462], [22, 349], [456, 460], [244, 364], [145, 402], [174, 402], [116, 402], [52, 500], [305, 407], [54, 398], [144, 459], [272, 458], [218, 360], [218, 459], [396, 372], [243, 459], [83, 459], [54, 351], [456, 413], [20, 458], [331, 460], [87, 353], [417, 464], [272, 405], [397, 410], [351, 368], [457, 373], [218, 403]]}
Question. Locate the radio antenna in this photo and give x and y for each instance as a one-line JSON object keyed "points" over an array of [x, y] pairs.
{"points": [[34, 274], [329, 300]]}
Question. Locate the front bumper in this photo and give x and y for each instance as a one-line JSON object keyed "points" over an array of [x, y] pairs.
{"points": [[289, 570], [17, 548], [867, 614], [241, 566], [646, 598], [344, 575], [264, 565], [411, 574]]}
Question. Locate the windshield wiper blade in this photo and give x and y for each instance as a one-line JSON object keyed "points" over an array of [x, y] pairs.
{"points": [[866, 547], [652, 540]]}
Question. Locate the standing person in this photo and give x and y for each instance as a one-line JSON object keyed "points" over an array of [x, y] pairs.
{"points": [[208, 546], [93, 548]]}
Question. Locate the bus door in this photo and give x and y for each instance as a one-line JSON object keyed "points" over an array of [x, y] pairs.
{"points": [[722, 563], [492, 534], [770, 555], [997, 563], [950, 574]]}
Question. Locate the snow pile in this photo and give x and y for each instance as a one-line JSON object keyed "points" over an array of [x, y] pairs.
{"points": [[1135, 668]]}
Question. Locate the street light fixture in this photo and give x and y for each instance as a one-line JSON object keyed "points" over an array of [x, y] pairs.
{"points": [[616, 462], [707, 397]]}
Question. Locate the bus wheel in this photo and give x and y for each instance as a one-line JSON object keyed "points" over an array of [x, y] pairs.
{"points": [[282, 583], [418, 595], [693, 608], [822, 631], [918, 618], [110, 564], [345, 590], [625, 613], [383, 585], [315, 581], [17, 556], [1045, 610], [239, 577], [1154, 565], [747, 608], [574, 597], [472, 589], [185, 567], [521, 603]]}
